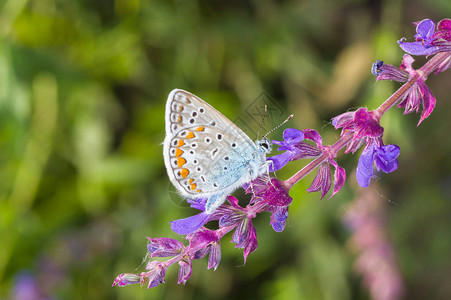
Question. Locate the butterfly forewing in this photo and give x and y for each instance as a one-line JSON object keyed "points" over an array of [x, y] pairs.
{"points": [[184, 109], [205, 153]]}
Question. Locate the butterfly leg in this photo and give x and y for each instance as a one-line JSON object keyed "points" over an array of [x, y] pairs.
{"points": [[270, 163]]}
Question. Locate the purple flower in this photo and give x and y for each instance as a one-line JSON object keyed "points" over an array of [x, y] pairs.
{"points": [[207, 241], [156, 274], [419, 94], [385, 158], [185, 271], [423, 40], [229, 215], [164, 247], [388, 72], [376, 67], [292, 139], [278, 202], [244, 235], [215, 256], [296, 148], [427, 41], [271, 195], [363, 124], [127, 278], [443, 30]]}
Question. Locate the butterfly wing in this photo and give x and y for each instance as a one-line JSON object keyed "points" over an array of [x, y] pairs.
{"points": [[204, 152], [184, 109]]}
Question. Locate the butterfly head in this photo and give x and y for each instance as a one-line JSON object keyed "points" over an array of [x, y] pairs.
{"points": [[264, 145]]}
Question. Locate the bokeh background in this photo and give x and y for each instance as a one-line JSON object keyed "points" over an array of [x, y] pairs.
{"points": [[83, 86]]}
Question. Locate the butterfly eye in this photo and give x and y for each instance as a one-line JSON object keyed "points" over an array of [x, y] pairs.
{"points": [[265, 144]]}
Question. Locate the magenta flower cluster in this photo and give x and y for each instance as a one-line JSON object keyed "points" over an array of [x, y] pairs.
{"points": [[360, 130]]}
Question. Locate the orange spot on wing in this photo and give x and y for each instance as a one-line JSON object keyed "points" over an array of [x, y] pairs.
{"points": [[178, 152], [198, 191], [193, 186], [191, 180], [190, 135], [179, 119], [201, 128], [180, 161], [181, 143], [184, 173]]}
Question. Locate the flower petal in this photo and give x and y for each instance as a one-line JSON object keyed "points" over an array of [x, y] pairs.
{"points": [[215, 256], [339, 179], [386, 158], [429, 101], [388, 152], [443, 30], [343, 120], [365, 167], [252, 244], [190, 224], [241, 233], [198, 203], [184, 271], [417, 48], [293, 136], [313, 135], [278, 218], [322, 180], [156, 277], [386, 166], [231, 219], [201, 238], [279, 226], [425, 29], [279, 161], [164, 247]]}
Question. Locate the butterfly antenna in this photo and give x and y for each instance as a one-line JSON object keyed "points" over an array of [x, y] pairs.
{"points": [[263, 121], [289, 117]]}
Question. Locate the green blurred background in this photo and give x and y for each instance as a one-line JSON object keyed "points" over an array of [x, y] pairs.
{"points": [[83, 86]]}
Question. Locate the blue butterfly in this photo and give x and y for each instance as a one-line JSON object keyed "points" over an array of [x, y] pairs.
{"points": [[206, 155]]}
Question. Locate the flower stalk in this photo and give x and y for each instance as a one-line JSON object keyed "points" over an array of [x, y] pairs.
{"points": [[359, 129]]}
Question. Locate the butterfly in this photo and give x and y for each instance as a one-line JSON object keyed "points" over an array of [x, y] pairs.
{"points": [[206, 155]]}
